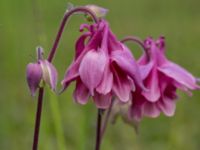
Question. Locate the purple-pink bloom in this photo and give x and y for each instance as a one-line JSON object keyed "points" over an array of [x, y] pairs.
{"points": [[162, 77], [42, 70], [103, 67]]}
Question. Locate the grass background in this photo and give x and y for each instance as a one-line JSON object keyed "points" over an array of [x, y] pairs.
{"points": [[25, 24]]}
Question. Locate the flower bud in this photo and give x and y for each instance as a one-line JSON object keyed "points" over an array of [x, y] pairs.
{"points": [[42, 70], [100, 12], [33, 76]]}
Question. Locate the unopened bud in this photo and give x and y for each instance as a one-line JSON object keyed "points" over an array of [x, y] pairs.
{"points": [[100, 12]]}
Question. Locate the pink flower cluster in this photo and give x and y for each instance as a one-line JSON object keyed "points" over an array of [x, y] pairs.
{"points": [[104, 68]]}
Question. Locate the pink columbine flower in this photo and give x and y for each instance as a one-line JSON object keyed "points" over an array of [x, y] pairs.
{"points": [[162, 77], [103, 67], [42, 70]]}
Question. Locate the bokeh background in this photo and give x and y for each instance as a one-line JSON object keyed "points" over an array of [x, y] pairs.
{"points": [[25, 24]]}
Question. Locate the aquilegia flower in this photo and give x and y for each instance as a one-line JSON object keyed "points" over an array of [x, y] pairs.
{"points": [[40, 71], [162, 77], [103, 67]]}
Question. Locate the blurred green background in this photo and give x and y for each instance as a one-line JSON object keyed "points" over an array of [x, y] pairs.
{"points": [[25, 24]]}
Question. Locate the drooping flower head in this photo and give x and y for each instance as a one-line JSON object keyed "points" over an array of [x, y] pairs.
{"points": [[40, 71], [103, 67], [162, 77]]}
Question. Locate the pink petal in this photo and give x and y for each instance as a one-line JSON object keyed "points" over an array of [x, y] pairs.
{"points": [[168, 87], [84, 26], [133, 88], [138, 100], [114, 44], [122, 90], [80, 44], [72, 72], [126, 62], [96, 39], [151, 110], [104, 43], [161, 43], [143, 60], [33, 76], [179, 74], [81, 93], [145, 69], [156, 50], [152, 83], [135, 113], [70, 75], [167, 106], [183, 88], [121, 85], [102, 101], [106, 84], [92, 68]]}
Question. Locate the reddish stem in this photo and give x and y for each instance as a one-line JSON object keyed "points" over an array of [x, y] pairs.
{"points": [[136, 40], [98, 130], [38, 118], [62, 25]]}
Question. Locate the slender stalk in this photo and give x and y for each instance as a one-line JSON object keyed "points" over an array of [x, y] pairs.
{"points": [[38, 118], [62, 26], [50, 58], [138, 41], [105, 123], [134, 39], [98, 130]]}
